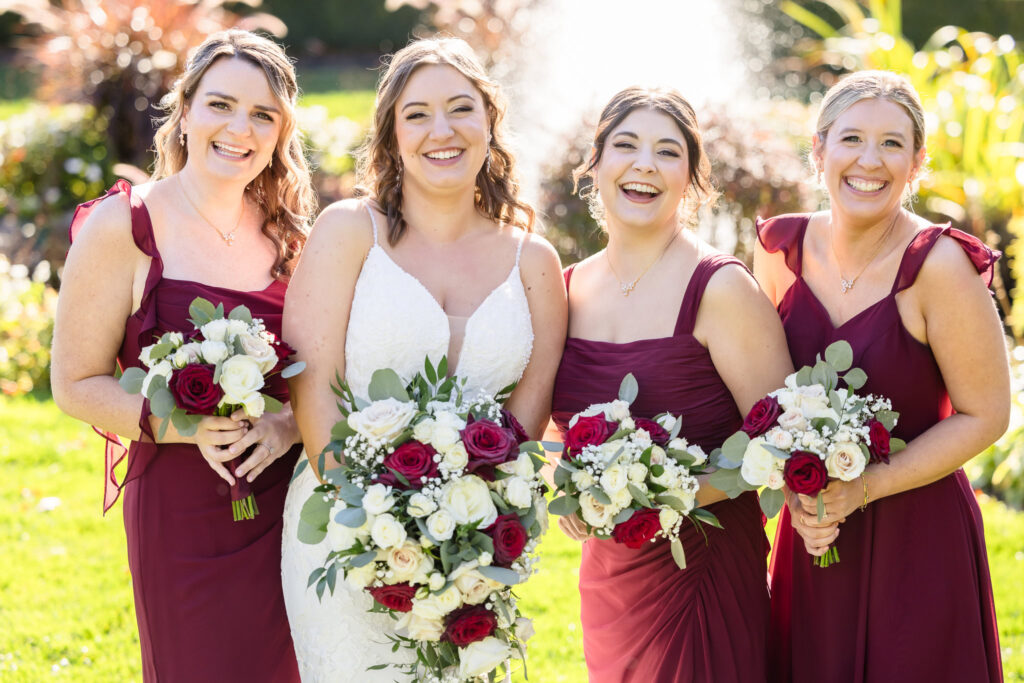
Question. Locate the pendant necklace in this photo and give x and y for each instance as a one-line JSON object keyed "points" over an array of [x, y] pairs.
{"points": [[228, 238], [844, 284], [626, 287]]}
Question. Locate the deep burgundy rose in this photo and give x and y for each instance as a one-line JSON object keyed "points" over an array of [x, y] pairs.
{"points": [[512, 423], [488, 444], [194, 390], [638, 529], [658, 433], [762, 416], [588, 431], [469, 624], [414, 461], [397, 597], [879, 446], [510, 538], [805, 473]]}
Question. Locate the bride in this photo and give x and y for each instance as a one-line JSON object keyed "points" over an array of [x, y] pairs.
{"points": [[438, 259]]}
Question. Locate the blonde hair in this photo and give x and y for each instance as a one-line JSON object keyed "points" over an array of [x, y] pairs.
{"points": [[872, 85], [701, 190], [380, 167], [283, 190]]}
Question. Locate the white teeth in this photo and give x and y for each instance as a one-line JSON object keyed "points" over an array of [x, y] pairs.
{"points": [[865, 185], [444, 154], [229, 149], [641, 187]]}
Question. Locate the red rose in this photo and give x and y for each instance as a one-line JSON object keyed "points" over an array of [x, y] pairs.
{"points": [[657, 432], [397, 597], [414, 461], [805, 473], [512, 423], [488, 444], [510, 538], [762, 416], [194, 390], [879, 446], [469, 624], [588, 431], [638, 529]]}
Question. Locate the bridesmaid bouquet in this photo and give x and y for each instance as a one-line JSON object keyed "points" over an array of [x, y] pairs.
{"points": [[435, 509], [806, 434], [217, 368], [630, 479]]}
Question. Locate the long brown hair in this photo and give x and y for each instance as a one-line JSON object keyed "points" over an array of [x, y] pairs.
{"points": [[283, 190], [380, 170]]}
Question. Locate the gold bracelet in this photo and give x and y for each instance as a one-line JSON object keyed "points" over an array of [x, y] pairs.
{"points": [[864, 482]]}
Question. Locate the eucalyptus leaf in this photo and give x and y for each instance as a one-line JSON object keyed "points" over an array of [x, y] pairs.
{"points": [[271, 404], [777, 452], [300, 468], [803, 377], [623, 515], [240, 313], [161, 403], [363, 560], [839, 355], [733, 449], [707, 517], [671, 501], [185, 424], [561, 477], [158, 383], [730, 482], [132, 379], [771, 501], [500, 574], [159, 351], [201, 311], [385, 383], [552, 446], [887, 418], [599, 495], [896, 445], [638, 495], [353, 517], [563, 506], [313, 518], [162, 431], [341, 431], [678, 554], [855, 378], [293, 369], [629, 388]]}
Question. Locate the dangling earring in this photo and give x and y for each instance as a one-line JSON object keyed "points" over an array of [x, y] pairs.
{"points": [[270, 164], [181, 137]]}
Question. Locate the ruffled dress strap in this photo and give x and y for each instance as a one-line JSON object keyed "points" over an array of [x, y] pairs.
{"points": [[144, 318], [706, 267], [785, 232], [982, 257]]}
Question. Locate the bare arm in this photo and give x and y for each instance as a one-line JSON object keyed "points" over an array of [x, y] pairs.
{"points": [[316, 314], [772, 273]]}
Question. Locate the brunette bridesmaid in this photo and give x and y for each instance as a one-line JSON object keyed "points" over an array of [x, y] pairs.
{"points": [[703, 342], [223, 218], [911, 598]]}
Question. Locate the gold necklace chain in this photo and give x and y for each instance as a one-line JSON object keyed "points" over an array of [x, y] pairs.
{"points": [[627, 287], [844, 284], [229, 238]]}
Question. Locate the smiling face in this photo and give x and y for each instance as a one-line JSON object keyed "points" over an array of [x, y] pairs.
{"points": [[868, 159], [441, 129], [233, 122], [642, 176]]}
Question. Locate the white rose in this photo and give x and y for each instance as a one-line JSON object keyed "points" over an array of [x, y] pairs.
{"points": [[408, 562], [419, 628], [436, 581], [469, 500], [522, 466], [617, 410], [524, 629], [582, 479], [361, 577], [235, 328], [260, 350], [445, 433], [627, 423], [758, 463], [239, 377], [637, 472], [776, 480], [215, 330], [420, 505], [678, 444], [667, 422], [422, 430], [623, 499], [188, 354], [254, 404], [163, 369], [614, 479], [387, 532], [455, 457], [845, 461], [594, 512], [793, 421], [435, 606], [518, 492], [699, 456], [176, 338], [441, 525], [779, 438], [383, 420], [668, 478], [475, 587], [378, 499], [482, 657], [668, 518], [214, 351], [146, 355], [684, 494]]}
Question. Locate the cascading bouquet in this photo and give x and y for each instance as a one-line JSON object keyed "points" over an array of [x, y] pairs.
{"points": [[807, 433], [435, 508], [216, 369], [630, 478]]}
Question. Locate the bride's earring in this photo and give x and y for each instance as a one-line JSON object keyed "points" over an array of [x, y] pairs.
{"points": [[181, 137]]}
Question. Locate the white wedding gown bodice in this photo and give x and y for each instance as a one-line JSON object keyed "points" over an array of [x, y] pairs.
{"points": [[394, 323]]}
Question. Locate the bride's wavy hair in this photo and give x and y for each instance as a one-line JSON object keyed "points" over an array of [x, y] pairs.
{"points": [[700, 189], [380, 167], [283, 190]]}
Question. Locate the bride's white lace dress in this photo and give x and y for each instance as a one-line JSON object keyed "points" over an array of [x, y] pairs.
{"points": [[394, 323]]}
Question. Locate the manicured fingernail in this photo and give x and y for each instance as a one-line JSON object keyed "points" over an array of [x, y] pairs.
{"points": [[250, 478]]}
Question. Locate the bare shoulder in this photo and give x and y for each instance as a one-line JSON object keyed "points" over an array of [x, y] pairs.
{"points": [[344, 225], [108, 228], [538, 255], [947, 265], [732, 286]]}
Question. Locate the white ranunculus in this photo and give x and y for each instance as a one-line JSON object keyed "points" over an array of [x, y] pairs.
{"points": [[617, 410], [668, 518], [637, 472], [436, 606], [387, 532], [845, 461], [793, 421], [260, 350], [779, 438], [455, 457], [475, 587], [163, 368], [407, 562], [776, 480], [583, 479], [240, 376], [254, 404], [483, 656], [524, 629], [699, 456], [383, 420], [377, 499], [436, 581], [441, 525], [420, 505], [469, 500], [361, 577], [518, 492], [422, 430], [215, 330], [594, 512], [758, 463], [418, 628], [614, 479]]}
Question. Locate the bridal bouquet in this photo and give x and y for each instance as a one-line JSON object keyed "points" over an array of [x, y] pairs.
{"points": [[435, 509], [807, 433], [629, 478], [217, 368]]}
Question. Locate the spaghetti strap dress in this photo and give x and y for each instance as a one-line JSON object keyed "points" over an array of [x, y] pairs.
{"points": [[207, 589], [911, 598], [645, 620]]}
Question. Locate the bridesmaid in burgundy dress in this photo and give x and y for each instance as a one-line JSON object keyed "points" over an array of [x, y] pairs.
{"points": [[911, 598], [703, 343], [223, 218]]}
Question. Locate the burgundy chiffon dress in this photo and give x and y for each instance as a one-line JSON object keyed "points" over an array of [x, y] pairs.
{"points": [[644, 619], [911, 598], [207, 589]]}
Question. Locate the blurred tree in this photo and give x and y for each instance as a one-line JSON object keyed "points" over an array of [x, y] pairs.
{"points": [[318, 27]]}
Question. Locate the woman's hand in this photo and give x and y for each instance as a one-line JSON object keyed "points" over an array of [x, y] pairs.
{"points": [[840, 498], [573, 527], [214, 435], [273, 434], [817, 536]]}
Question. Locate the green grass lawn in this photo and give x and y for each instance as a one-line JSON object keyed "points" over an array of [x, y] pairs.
{"points": [[65, 591]]}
